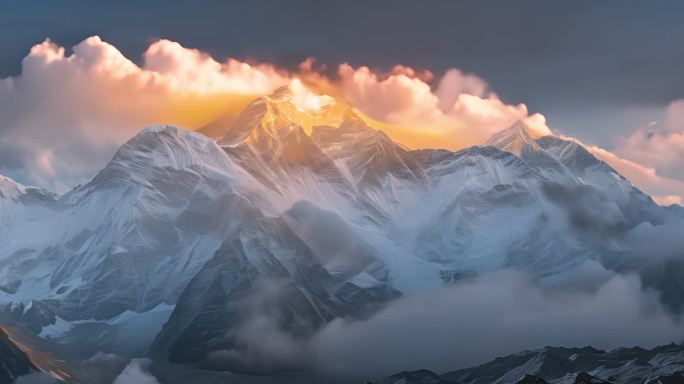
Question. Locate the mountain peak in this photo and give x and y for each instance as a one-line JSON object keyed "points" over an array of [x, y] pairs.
{"points": [[158, 147], [287, 107], [516, 137], [10, 188], [283, 93]]}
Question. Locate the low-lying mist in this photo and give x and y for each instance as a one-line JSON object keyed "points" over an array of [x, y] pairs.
{"points": [[606, 303], [471, 322]]}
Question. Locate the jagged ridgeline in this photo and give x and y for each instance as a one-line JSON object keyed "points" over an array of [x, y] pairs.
{"points": [[312, 212], [552, 365]]}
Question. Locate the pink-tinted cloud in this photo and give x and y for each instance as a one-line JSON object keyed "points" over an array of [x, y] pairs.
{"points": [[191, 70], [660, 146], [455, 83]]}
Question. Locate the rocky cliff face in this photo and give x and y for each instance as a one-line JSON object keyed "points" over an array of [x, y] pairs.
{"points": [[13, 362]]}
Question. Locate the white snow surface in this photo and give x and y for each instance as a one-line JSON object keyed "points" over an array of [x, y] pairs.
{"points": [[131, 239]]}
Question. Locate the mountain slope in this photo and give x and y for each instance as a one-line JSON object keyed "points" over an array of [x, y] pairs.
{"points": [[13, 362], [178, 228]]}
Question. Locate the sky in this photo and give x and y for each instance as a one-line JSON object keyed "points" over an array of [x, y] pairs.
{"points": [[606, 73]]}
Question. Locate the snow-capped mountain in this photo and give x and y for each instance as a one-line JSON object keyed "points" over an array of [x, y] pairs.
{"points": [[158, 251], [19, 201]]}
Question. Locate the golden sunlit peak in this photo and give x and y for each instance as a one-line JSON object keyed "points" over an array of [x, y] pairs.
{"points": [[288, 106]]}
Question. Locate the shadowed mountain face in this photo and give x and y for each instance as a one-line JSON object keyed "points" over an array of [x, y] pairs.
{"points": [[553, 365], [13, 362], [311, 213]]}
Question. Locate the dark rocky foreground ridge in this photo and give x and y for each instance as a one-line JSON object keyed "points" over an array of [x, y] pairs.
{"points": [[13, 362], [558, 365]]}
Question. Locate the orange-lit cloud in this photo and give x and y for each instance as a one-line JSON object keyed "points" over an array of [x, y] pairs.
{"points": [[62, 118]]}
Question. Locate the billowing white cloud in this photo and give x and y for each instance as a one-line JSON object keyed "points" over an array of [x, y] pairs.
{"points": [[455, 83], [457, 112], [191, 70], [496, 314], [63, 117], [396, 98]]}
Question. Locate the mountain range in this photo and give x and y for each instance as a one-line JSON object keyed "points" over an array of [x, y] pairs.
{"points": [[586, 365], [306, 216]]}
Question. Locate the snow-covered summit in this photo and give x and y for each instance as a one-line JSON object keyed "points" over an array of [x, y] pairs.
{"points": [[516, 138], [159, 147], [273, 116], [18, 202], [174, 213], [13, 190], [10, 189]]}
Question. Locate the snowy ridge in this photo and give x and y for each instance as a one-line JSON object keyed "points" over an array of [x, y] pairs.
{"points": [[558, 365], [10, 189], [516, 139], [286, 191]]}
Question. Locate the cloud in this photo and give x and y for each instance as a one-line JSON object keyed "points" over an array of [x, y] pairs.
{"points": [[455, 83], [656, 242], [305, 99], [101, 368], [588, 210], [458, 112], [660, 146], [189, 70], [136, 373], [260, 344], [493, 315], [452, 327], [648, 241], [667, 200], [664, 191], [651, 156], [65, 115]]}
